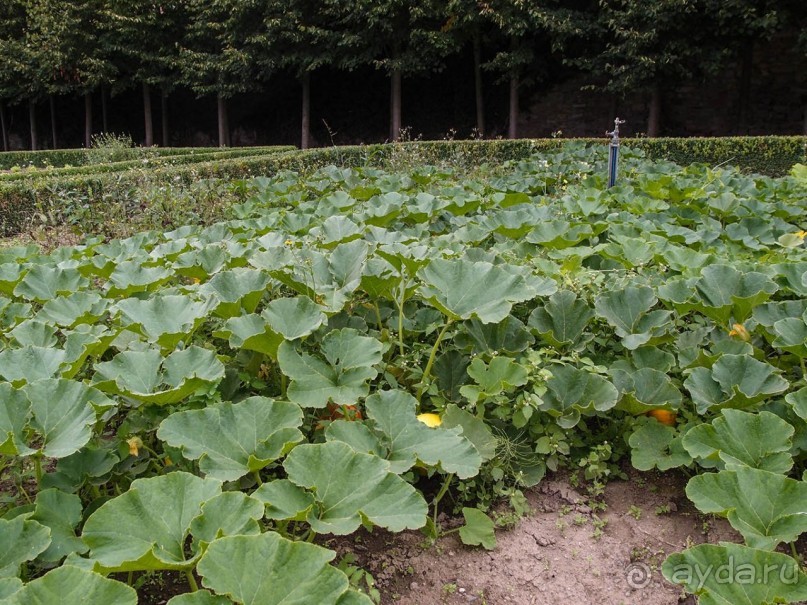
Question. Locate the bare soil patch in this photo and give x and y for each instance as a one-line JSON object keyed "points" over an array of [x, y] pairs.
{"points": [[552, 556]]}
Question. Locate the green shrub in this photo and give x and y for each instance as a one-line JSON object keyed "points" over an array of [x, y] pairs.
{"points": [[56, 194], [146, 160]]}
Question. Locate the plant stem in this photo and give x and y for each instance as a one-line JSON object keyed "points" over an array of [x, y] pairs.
{"points": [[795, 552], [439, 496], [257, 475], [377, 315], [191, 580], [38, 469], [430, 363], [311, 535], [129, 578]]}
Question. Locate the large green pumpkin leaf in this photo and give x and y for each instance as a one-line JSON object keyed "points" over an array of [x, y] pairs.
{"points": [[9, 586], [31, 363], [164, 319], [502, 374], [462, 289], [507, 337], [199, 597], [63, 413], [451, 372], [351, 488], [562, 321], [61, 513], [328, 279], [572, 392], [408, 440], [760, 440], [283, 500], [473, 428], [231, 440], [132, 276], [237, 289], [766, 508], [756, 577], [15, 410], [146, 527], [70, 584], [628, 311], [34, 333], [146, 376], [271, 570], [79, 307], [655, 445], [343, 376], [283, 319], [228, 514], [43, 283], [645, 389], [22, 541], [791, 335], [797, 399], [734, 381], [726, 292]]}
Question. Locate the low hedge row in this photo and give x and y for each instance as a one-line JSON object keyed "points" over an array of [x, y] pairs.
{"points": [[20, 201], [74, 157], [772, 156], [146, 161]]}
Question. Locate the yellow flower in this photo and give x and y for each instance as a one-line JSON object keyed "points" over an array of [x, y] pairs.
{"points": [[740, 332], [801, 234], [430, 420], [135, 443]]}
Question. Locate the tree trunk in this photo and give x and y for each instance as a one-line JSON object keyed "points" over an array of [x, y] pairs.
{"points": [[87, 120], [164, 115], [804, 130], [480, 101], [512, 132], [147, 115], [104, 112], [744, 102], [306, 113], [654, 112], [32, 122], [224, 134], [3, 125], [53, 122], [395, 105]]}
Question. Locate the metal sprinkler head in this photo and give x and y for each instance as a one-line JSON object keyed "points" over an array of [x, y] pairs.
{"points": [[613, 152]]}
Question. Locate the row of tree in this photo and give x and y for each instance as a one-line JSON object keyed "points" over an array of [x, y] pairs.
{"points": [[52, 48]]}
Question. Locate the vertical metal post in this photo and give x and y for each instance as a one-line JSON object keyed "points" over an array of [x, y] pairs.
{"points": [[613, 152]]}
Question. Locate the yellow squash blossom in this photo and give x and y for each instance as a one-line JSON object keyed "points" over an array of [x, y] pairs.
{"points": [[740, 332], [135, 443], [430, 420]]}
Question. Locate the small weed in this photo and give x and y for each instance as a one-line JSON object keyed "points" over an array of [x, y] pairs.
{"points": [[635, 512]]}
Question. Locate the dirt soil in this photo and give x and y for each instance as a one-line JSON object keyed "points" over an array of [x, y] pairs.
{"points": [[551, 556]]}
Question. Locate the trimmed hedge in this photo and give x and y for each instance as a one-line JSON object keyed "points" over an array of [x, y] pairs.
{"points": [[146, 161], [75, 157], [771, 156], [20, 201]]}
